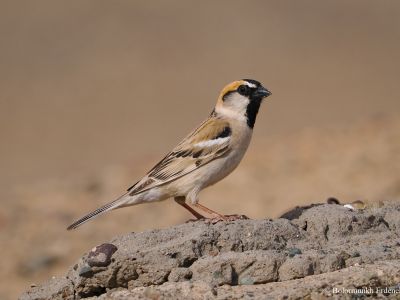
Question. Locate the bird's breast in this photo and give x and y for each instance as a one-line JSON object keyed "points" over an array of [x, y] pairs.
{"points": [[222, 167], [218, 168]]}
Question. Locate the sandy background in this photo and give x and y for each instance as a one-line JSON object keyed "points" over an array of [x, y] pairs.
{"points": [[93, 93]]}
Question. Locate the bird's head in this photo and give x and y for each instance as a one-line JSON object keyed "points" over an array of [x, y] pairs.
{"points": [[241, 99]]}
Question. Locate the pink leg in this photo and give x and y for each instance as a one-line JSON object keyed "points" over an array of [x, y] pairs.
{"points": [[181, 201]]}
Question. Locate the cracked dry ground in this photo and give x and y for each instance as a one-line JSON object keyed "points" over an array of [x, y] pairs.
{"points": [[304, 255]]}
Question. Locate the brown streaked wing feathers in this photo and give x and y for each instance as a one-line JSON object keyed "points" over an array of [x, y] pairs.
{"points": [[187, 157]]}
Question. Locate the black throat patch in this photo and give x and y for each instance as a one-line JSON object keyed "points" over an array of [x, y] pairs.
{"points": [[252, 111]]}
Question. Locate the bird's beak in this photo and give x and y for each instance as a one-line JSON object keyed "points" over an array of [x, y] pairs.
{"points": [[262, 92]]}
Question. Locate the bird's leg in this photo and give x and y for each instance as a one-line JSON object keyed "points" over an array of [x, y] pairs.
{"points": [[210, 211], [181, 201], [217, 216]]}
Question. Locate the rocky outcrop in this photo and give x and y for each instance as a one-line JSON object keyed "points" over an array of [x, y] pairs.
{"points": [[308, 254]]}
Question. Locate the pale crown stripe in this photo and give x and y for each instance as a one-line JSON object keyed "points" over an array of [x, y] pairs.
{"points": [[252, 85]]}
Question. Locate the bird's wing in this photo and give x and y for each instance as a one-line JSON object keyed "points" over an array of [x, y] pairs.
{"points": [[205, 144]]}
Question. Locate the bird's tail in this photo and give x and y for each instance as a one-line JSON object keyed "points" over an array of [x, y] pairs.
{"points": [[98, 212]]}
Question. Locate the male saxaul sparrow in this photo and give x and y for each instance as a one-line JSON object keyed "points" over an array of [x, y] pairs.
{"points": [[204, 157]]}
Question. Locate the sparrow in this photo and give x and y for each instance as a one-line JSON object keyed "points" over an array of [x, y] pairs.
{"points": [[207, 155]]}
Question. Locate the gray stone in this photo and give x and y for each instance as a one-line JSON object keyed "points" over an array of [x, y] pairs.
{"points": [[241, 259]]}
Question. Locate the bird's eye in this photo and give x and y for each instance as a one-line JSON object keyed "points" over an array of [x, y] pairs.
{"points": [[243, 90]]}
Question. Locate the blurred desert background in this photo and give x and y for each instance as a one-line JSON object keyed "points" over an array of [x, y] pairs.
{"points": [[93, 93]]}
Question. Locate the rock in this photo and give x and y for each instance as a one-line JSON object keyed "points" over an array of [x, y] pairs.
{"points": [[234, 268], [323, 286], [241, 259], [293, 252], [180, 274], [100, 256], [86, 271]]}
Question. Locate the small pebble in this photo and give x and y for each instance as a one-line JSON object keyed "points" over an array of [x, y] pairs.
{"points": [[293, 252], [100, 256], [86, 271]]}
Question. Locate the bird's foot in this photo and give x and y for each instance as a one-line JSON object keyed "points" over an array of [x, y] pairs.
{"points": [[225, 218], [221, 218]]}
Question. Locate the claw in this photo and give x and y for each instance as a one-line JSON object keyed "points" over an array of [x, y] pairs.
{"points": [[225, 218]]}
